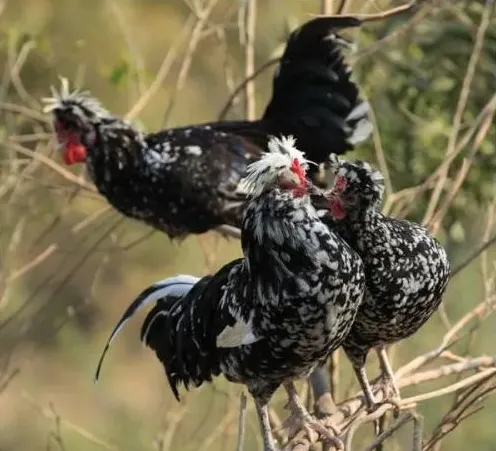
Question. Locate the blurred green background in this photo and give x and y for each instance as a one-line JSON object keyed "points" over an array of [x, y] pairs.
{"points": [[88, 262]]}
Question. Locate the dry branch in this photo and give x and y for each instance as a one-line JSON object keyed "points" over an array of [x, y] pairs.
{"points": [[378, 16], [202, 15], [50, 413], [241, 86], [163, 71], [250, 7]]}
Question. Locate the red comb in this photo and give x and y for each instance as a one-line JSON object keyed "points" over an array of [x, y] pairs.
{"points": [[298, 169]]}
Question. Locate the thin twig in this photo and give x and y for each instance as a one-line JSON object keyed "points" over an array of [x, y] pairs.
{"points": [[249, 47], [463, 407], [448, 338], [377, 16], [137, 56], [402, 420], [326, 7], [379, 152], [49, 413], [461, 105], [162, 73], [447, 370], [407, 196], [451, 388], [24, 111], [229, 417], [15, 69], [52, 248], [202, 16], [341, 7], [358, 422], [52, 165], [379, 45], [8, 378], [241, 86], [462, 172], [174, 421]]}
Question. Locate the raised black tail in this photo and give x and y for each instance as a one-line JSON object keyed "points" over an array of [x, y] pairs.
{"points": [[313, 97]]}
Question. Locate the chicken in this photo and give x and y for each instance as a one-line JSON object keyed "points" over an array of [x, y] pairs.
{"points": [[406, 270], [187, 180], [270, 317]]}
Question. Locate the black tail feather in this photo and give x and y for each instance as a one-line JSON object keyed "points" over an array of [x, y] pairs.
{"points": [[313, 95], [179, 334], [158, 327], [169, 289]]}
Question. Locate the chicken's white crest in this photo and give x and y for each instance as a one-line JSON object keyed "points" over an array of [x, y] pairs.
{"points": [[281, 155], [65, 97]]}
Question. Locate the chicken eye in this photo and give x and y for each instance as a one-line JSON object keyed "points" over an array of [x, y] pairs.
{"points": [[89, 137], [352, 199]]}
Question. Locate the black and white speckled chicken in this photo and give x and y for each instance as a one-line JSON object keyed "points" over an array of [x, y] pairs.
{"points": [[406, 269], [270, 317], [186, 180]]}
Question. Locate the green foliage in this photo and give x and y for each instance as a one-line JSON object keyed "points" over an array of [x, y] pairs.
{"points": [[119, 72], [414, 84]]}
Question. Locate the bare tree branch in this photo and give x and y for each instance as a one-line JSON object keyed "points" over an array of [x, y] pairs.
{"points": [[241, 86], [377, 16], [250, 8], [202, 16]]}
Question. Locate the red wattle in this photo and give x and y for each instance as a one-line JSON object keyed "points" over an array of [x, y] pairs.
{"points": [[340, 183], [337, 209], [74, 153]]}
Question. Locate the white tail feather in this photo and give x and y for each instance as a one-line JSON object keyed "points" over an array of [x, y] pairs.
{"points": [[173, 286], [360, 111], [362, 128]]}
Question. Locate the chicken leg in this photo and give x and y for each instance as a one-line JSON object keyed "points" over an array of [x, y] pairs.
{"points": [[391, 391], [241, 423], [363, 380], [370, 400], [302, 417], [269, 443]]}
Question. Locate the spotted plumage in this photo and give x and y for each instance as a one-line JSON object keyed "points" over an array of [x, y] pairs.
{"points": [[186, 180], [271, 316], [406, 269]]}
